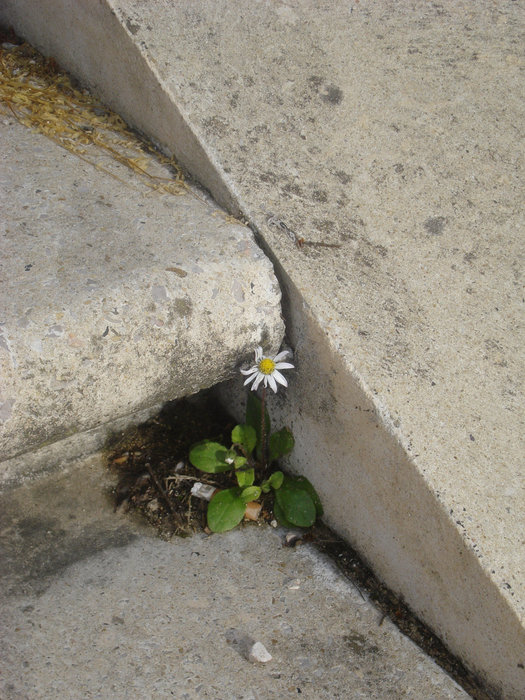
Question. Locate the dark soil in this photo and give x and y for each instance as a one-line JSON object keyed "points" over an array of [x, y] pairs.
{"points": [[154, 476], [153, 472], [155, 479]]}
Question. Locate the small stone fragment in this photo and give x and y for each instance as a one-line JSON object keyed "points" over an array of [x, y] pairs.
{"points": [[203, 491], [252, 510], [291, 539], [153, 506], [259, 654]]}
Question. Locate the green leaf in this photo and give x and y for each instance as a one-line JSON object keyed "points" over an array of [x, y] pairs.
{"points": [[239, 462], [225, 510], [245, 477], [297, 505], [279, 516], [253, 418], [303, 483], [281, 443], [251, 493], [209, 457], [276, 480], [246, 436]]}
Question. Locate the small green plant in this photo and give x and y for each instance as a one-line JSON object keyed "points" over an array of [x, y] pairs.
{"points": [[253, 451]]}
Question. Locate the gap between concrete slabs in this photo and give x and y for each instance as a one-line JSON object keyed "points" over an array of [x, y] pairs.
{"points": [[472, 552]]}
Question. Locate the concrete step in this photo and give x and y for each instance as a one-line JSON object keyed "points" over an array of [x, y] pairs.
{"points": [[389, 132], [93, 605], [115, 296]]}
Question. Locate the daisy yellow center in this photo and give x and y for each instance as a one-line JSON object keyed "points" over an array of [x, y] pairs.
{"points": [[266, 366]]}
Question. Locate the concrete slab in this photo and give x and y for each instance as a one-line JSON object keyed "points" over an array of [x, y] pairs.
{"points": [[114, 299], [94, 606], [393, 131]]}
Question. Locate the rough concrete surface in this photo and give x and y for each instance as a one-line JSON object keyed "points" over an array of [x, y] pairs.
{"points": [[114, 299], [94, 606], [392, 130], [57, 455]]}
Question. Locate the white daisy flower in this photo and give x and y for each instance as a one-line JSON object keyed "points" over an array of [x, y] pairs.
{"points": [[266, 370]]}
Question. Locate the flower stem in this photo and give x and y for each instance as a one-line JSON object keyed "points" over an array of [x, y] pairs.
{"points": [[263, 429]]}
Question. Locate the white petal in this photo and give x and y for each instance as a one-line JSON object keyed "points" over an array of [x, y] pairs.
{"points": [[250, 379], [257, 381], [258, 353], [249, 371], [271, 382], [279, 378], [281, 355], [283, 365]]}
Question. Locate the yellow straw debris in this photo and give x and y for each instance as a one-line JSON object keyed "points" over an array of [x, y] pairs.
{"points": [[42, 97]]}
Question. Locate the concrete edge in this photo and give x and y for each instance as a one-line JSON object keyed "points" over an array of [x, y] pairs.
{"points": [[31, 459], [58, 455], [161, 120]]}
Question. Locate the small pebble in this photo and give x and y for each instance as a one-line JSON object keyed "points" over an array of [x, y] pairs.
{"points": [[252, 510], [204, 491], [153, 506], [291, 539], [259, 654]]}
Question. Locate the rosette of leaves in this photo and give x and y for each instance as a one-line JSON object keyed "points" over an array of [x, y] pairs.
{"points": [[296, 502]]}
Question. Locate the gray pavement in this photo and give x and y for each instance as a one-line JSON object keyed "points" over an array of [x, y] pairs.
{"points": [[93, 605]]}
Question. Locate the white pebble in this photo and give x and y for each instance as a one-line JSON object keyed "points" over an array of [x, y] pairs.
{"points": [[204, 491], [259, 653]]}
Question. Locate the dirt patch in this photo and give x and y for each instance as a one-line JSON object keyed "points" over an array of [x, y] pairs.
{"points": [[153, 474]]}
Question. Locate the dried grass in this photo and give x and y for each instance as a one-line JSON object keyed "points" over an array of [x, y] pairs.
{"points": [[39, 95]]}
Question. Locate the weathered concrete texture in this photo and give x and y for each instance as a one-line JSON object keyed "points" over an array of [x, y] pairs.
{"points": [[93, 606], [114, 300], [393, 130], [57, 455]]}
